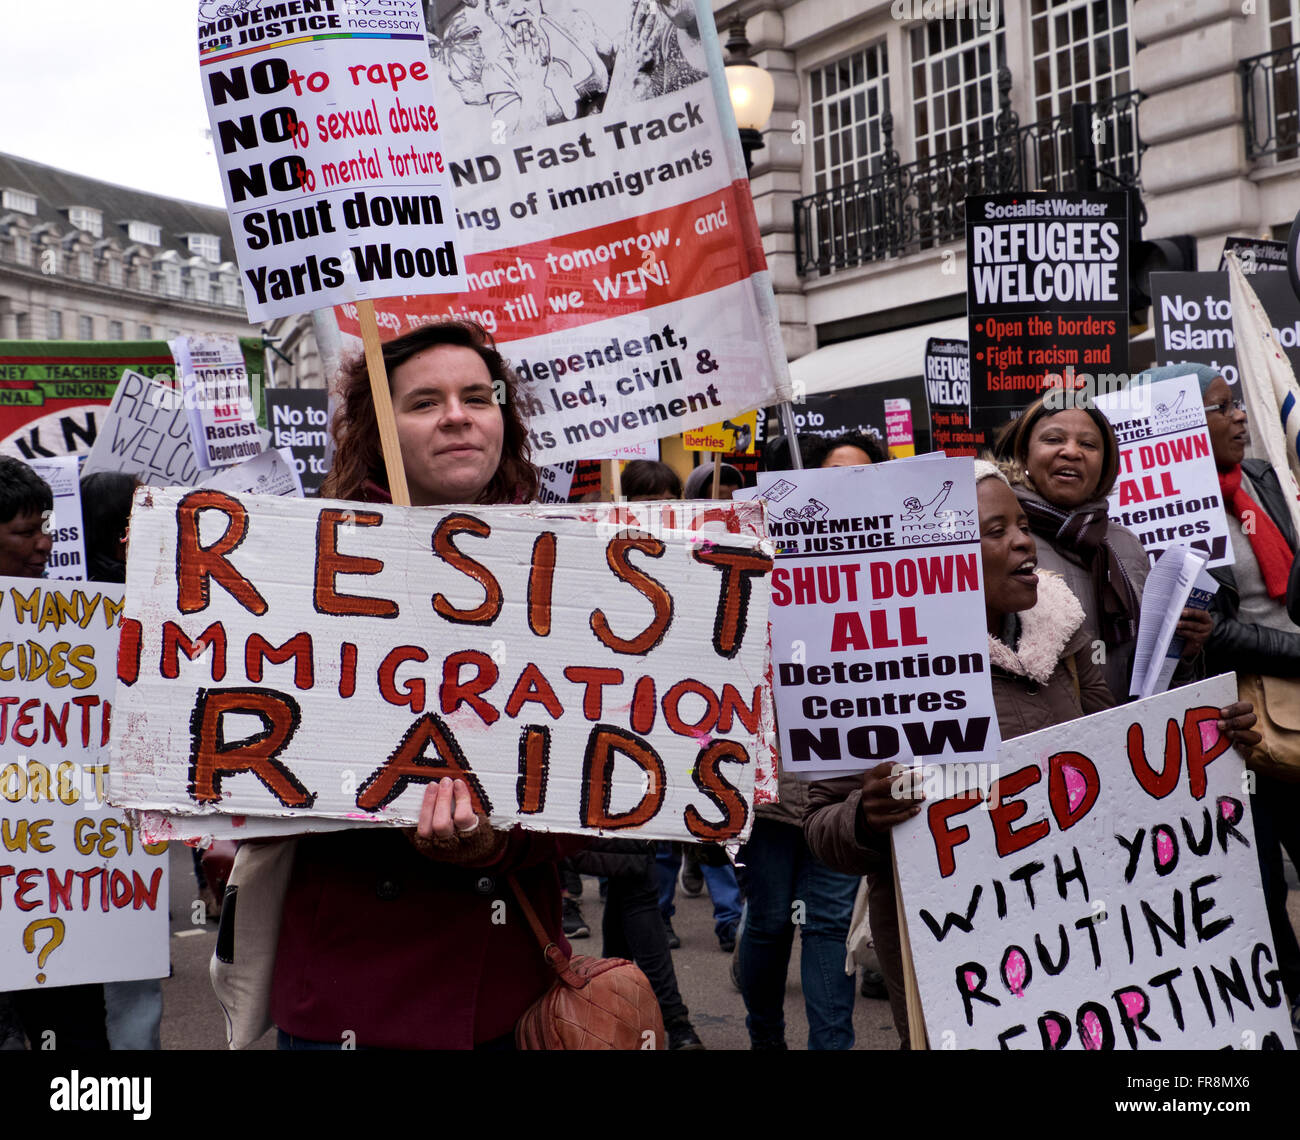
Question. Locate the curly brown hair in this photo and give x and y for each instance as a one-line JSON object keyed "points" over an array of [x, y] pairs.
{"points": [[358, 456]]}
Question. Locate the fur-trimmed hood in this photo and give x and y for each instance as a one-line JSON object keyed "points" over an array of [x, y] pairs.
{"points": [[1045, 630]]}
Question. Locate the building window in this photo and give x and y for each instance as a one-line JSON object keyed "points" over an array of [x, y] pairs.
{"points": [[206, 246], [113, 270], [230, 292], [1284, 32], [85, 328], [18, 200], [1082, 53], [86, 265], [115, 331], [954, 89], [54, 325], [847, 101], [22, 249], [84, 218], [146, 233], [144, 277], [144, 332], [22, 326]]}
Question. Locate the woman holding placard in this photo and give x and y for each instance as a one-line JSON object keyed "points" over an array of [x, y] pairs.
{"points": [[1042, 673], [1063, 464], [387, 937]]}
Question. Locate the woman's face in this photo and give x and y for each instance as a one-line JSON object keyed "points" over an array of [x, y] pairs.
{"points": [[1229, 434], [449, 425], [846, 457], [1065, 458], [1008, 553]]}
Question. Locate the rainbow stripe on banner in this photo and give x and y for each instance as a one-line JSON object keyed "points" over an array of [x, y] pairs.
{"points": [[206, 56]]}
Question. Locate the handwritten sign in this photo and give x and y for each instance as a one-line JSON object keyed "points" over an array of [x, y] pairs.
{"points": [[1101, 892], [287, 659], [82, 897]]}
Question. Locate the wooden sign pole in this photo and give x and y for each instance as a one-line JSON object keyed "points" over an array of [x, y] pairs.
{"points": [[383, 401], [611, 481], [717, 478], [915, 1015]]}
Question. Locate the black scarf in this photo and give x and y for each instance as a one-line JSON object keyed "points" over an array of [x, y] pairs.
{"points": [[1082, 533]]}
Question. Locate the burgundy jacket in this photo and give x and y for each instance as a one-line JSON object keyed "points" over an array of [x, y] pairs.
{"points": [[407, 952]]}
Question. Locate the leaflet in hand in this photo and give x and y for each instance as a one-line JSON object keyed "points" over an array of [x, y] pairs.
{"points": [[1177, 580]]}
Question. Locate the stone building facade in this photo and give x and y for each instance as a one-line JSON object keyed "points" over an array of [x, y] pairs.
{"points": [[84, 260], [885, 119]]}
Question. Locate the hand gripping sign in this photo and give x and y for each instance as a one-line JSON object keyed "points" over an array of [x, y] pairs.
{"points": [[579, 677]]}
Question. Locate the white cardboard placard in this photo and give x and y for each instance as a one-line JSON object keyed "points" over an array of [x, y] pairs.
{"points": [[81, 899], [1111, 899], [622, 690]]}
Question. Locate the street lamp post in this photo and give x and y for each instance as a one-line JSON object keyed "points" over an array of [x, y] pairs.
{"points": [[752, 92]]}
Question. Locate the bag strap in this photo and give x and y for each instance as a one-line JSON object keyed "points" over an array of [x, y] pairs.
{"points": [[554, 956]]}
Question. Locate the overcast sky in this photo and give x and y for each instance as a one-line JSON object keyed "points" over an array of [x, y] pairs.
{"points": [[110, 90]]}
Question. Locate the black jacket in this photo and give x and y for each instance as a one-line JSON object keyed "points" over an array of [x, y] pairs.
{"points": [[1236, 646]]}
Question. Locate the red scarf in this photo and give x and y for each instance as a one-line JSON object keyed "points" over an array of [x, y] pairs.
{"points": [[1271, 551]]}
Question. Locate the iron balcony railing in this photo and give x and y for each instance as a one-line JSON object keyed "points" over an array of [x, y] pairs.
{"points": [[1270, 95], [909, 207]]}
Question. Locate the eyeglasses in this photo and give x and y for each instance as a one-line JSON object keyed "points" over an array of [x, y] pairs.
{"points": [[1227, 407]]}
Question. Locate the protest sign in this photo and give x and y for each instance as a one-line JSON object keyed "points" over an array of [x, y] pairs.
{"points": [[215, 387], [602, 195], [1106, 896], [555, 481], [53, 394], [1258, 255], [1168, 486], [898, 428], [82, 898], [1046, 297], [1193, 319], [246, 668], [146, 432], [270, 473], [733, 436], [874, 652], [947, 391], [327, 136], [68, 554], [862, 410], [299, 420]]}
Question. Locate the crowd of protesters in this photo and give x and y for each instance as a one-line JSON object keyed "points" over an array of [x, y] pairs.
{"points": [[386, 937]]}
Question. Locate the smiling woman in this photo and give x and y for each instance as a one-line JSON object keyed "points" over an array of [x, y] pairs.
{"points": [[1063, 464], [367, 912]]}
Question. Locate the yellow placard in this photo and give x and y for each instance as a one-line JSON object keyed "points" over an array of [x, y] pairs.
{"points": [[734, 436]]}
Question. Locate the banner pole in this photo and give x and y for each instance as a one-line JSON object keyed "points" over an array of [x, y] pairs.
{"points": [[915, 1015], [786, 412], [717, 478], [383, 405]]}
